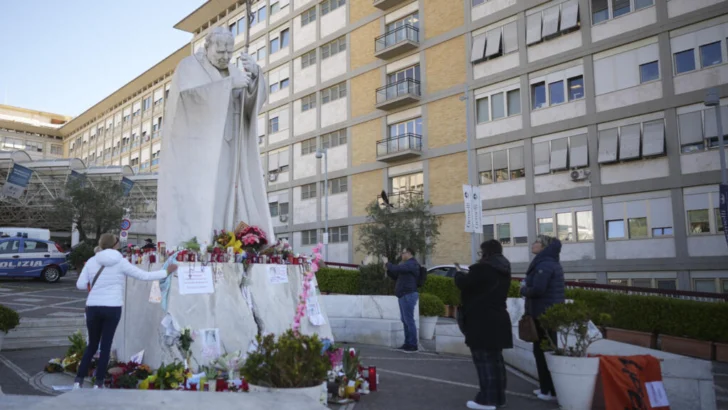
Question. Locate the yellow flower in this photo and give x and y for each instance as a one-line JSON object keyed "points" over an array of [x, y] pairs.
{"points": [[174, 385], [166, 375]]}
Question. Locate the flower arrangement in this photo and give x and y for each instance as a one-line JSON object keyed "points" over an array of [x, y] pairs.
{"points": [[229, 363], [53, 366], [171, 376], [351, 364], [308, 276], [184, 342], [252, 238]]}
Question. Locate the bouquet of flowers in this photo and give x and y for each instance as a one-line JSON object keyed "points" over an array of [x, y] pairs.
{"points": [[53, 366], [171, 376], [229, 363], [253, 238], [184, 342]]}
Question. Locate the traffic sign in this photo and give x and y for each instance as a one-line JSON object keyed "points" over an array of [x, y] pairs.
{"points": [[125, 225]]}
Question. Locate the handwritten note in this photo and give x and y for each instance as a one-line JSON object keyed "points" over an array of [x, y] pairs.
{"points": [[195, 279], [277, 274], [155, 294]]}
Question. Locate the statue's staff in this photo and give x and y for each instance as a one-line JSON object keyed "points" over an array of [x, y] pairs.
{"points": [[249, 17]]}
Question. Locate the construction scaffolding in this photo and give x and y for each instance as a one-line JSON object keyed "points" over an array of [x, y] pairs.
{"points": [[48, 184]]}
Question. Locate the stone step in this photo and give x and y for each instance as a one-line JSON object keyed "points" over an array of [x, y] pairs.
{"points": [[56, 331], [18, 402], [34, 342], [26, 323]]}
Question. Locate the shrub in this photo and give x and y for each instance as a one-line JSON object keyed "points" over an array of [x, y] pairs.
{"points": [[340, 281], [9, 319], [571, 320], [431, 305], [290, 361], [80, 254], [515, 290], [442, 287], [374, 281]]}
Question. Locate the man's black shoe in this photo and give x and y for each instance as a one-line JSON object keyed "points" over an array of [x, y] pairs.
{"points": [[410, 349]]}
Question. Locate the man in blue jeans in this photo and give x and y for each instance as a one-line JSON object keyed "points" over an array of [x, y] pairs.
{"points": [[406, 275]]}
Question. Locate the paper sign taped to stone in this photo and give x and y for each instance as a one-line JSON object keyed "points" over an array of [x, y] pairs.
{"points": [[155, 294], [195, 279], [210, 343], [313, 311], [277, 274], [656, 393]]}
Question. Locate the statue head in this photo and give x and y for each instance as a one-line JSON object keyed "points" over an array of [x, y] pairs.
{"points": [[219, 47]]}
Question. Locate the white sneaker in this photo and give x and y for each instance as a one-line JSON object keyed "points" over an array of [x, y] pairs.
{"points": [[546, 397], [473, 405], [537, 392], [96, 387], [76, 386]]}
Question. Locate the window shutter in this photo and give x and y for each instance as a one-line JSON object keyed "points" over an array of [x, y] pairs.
{"points": [[485, 162], [541, 158], [608, 141], [283, 159], [691, 128], [569, 14], [559, 150], [653, 138], [579, 155], [500, 159], [477, 54], [550, 21], [516, 157], [629, 142], [510, 37], [533, 31], [273, 162], [494, 42]]}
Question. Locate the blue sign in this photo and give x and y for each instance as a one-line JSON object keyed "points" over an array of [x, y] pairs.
{"points": [[724, 208], [17, 181], [127, 185]]}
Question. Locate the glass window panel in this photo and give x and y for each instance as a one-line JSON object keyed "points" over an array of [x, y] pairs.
{"points": [[640, 4], [486, 177], [718, 220], [273, 209], [285, 38], [698, 221], [584, 226], [482, 107], [704, 285], [576, 88], [514, 102], [600, 11], [620, 7], [556, 92], [667, 284], [538, 95], [649, 72], [637, 227], [504, 234], [488, 232], [497, 103], [710, 54], [642, 283], [615, 229], [546, 226], [564, 230], [685, 61]]}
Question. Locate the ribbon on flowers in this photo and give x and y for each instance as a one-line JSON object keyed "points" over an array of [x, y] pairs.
{"points": [[166, 284]]}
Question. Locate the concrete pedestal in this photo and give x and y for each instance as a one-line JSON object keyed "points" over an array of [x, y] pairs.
{"points": [[274, 305]]}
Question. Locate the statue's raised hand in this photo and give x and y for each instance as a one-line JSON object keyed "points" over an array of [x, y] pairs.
{"points": [[249, 65], [241, 80]]}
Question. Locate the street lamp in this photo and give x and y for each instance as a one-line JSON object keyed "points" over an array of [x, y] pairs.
{"points": [[712, 99], [321, 153]]}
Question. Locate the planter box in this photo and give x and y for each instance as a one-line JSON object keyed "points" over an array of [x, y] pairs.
{"points": [[632, 337], [687, 347], [721, 352]]}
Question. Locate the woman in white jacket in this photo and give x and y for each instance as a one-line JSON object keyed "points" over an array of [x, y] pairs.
{"points": [[106, 274]]}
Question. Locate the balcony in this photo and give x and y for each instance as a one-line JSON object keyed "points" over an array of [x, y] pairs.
{"points": [[401, 198], [398, 94], [397, 42], [386, 4], [399, 147]]}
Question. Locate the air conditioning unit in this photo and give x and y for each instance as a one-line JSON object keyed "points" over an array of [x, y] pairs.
{"points": [[580, 174], [273, 177], [283, 218]]}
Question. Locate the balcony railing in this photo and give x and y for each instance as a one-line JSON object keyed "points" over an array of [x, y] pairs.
{"points": [[397, 94], [399, 147], [397, 41], [401, 198], [386, 4]]}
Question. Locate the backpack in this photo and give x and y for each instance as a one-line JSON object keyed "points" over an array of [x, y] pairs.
{"points": [[423, 277]]}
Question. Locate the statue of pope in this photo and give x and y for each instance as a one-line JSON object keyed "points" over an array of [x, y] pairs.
{"points": [[210, 174]]}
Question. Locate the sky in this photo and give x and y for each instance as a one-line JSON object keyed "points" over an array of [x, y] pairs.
{"points": [[64, 56]]}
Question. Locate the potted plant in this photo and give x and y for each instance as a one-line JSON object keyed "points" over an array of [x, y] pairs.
{"points": [[292, 363], [573, 372], [430, 308], [9, 320]]}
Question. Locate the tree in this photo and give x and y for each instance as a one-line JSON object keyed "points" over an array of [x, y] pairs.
{"points": [[94, 208], [388, 230]]}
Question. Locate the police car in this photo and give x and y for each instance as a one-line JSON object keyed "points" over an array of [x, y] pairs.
{"points": [[32, 258]]}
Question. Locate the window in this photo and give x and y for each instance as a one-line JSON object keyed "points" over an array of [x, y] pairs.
{"points": [[704, 285], [637, 228], [620, 7], [147, 103], [494, 43], [503, 234], [337, 185], [698, 221], [478, 2], [333, 139], [641, 283], [308, 102], [661, 232], [538, 95], [556, 92], [710, 54], [339, 234], [273, 125], [565, 229], [260, 54], [576, 88], [483, 110], [309, 237], [684, 61], [308, 59], [649, 72], [308, 191], [502, 104], [560, 154], [600, 11], [603, 10], [514, 102], [633, 141], [308, 16], [497, 106], [273, 206], [584, 226], [545, 25], [615, 229], [56, 150], [275, 8], [499, 166], [259, 17], [333, 48], [407, 183], [330, 5], [333, 93], [546, 226], [9, 246], [308, 146], [34, 246], [274, 45], [698, 129], [666, 284]]}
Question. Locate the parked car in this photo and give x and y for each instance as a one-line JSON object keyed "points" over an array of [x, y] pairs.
{"points": [[30, 233], [447, 271], [32, 258]]}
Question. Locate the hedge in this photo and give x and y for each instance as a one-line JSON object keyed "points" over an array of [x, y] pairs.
{"points": [[9, 319], [431, 305]]}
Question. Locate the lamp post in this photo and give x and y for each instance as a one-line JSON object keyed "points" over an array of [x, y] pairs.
{"points": [[471, 165], [712, 99], [324, 153]]}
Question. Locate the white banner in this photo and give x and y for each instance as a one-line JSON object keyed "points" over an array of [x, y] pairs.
{"points": [[468, 203], [477, 209]]}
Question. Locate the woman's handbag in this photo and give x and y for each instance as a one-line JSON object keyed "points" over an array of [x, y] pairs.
{"points": [[90, 286], [527, 329]]}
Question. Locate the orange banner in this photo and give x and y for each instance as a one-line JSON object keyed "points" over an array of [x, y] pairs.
{"points": [[632, 382]]}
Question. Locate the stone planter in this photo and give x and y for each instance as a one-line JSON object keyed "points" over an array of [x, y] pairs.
{"points": [[427, 327], [317, 393], [632, 337], [687, 347], [721, 352], [575, 380]]}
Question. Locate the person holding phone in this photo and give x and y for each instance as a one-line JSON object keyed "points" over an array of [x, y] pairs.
{"points": [[486, 322], [406, 275]]}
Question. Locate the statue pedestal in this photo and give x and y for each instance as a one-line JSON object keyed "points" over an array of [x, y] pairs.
{"points": [[274, 307]]}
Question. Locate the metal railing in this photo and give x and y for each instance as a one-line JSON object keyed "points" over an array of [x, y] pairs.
{"points": [[399, 143], [408, 86], [407, 32]]}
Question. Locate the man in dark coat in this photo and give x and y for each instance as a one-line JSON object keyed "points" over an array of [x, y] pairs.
{"points": [[544, 287], [406, 275], [487, 324]]}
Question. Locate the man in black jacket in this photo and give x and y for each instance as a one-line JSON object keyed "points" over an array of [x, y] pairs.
{"points": [[406, 274], [487, 324]]}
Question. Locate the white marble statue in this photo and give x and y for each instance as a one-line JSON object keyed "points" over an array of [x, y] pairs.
{"points": [[211, 175]]}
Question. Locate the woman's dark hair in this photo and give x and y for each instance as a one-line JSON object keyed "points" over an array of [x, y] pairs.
{"points": [[410, 250], [491, 247]]}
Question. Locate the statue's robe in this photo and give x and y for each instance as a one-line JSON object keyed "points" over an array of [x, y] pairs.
{"points": [[210, 175]]}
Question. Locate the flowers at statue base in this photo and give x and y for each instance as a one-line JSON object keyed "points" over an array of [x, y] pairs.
{"points": [[53, 366], [230, 363], [307, 277], [252, 238], [184, 342]]}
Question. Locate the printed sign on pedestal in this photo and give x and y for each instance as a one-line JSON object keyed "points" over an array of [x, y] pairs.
{"points": [[195, 279], [17, 182]]}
